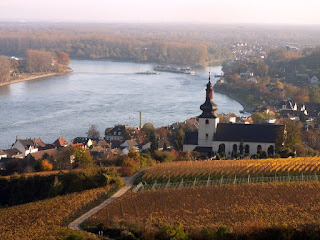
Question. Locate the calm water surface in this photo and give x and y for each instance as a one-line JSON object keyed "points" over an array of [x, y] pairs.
{"points": [[102, 93]]}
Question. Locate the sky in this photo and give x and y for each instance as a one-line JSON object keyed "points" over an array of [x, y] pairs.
{"points": [[290, 12]]}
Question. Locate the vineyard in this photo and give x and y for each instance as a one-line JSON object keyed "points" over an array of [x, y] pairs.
{"points": [[44, 219], [242, 208], [189, 170]]}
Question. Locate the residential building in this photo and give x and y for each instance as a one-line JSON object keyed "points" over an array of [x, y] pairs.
{"points": [[26, 146]]}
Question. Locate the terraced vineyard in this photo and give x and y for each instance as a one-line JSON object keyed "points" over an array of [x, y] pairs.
{"points": [[189, 170], [242, 208], [44, 219]]}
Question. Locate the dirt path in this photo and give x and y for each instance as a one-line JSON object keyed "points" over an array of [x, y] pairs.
{"points": [[75, 225]]}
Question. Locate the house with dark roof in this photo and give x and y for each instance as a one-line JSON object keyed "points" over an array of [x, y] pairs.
{"points": [[246, 139], [14, 153], [116, 133], [26, 146]]}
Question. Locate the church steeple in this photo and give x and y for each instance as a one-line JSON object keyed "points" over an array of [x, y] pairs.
{"points": [[209, 107]]}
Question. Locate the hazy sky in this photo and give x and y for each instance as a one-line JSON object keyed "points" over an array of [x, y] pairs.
{"points": [[198, 11]]}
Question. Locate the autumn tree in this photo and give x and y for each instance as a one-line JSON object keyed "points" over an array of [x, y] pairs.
{"points": [[83, 157], [5, 67], [39, 61], [178, 142], [93, 132], [63, 58]]}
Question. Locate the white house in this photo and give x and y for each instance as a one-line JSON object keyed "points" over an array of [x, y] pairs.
{"points": [[212, 136], [3, 154], [26, 146], [252, 79], [127, 145]]}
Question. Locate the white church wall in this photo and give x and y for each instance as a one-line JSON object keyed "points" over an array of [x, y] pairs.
{"points": [[189, 148], [253, 147]]}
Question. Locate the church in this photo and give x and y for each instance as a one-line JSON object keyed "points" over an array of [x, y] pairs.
{"points": [[228, 138]]}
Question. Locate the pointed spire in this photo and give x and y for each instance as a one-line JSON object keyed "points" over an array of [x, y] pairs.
{"points": [[209, 107]]}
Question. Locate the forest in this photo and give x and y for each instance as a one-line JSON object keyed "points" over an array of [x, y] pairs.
{"points": [[191, 44]]}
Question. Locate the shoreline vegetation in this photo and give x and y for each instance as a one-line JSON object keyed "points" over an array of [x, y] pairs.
{"points": [[33, 76]]}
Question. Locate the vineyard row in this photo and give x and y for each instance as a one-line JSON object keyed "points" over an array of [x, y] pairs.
{"points": [[224, 180]]}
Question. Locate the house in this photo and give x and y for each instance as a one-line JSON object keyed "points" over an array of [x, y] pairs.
{"points": [[246, 74], [3, 154], [227, 138], [87, 142], [314, 80], [26, 146], [60, 143], [252, 79], [116, 133], [145, 147], [14, 153], [127, 145], [313, 109], [39, 143]]}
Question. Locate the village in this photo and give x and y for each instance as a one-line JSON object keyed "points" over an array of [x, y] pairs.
{"points": [[255, 136]]}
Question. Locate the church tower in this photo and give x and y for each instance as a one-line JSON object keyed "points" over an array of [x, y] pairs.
{"points": [[209, 119]]}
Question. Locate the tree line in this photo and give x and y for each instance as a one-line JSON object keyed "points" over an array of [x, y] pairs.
{"points": [[34, 61]]}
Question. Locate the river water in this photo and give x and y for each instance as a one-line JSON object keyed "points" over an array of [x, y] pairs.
{"points": [[103, 93]]}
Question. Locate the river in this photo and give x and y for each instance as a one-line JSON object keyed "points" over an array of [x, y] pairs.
{"points": [[103, 93]]}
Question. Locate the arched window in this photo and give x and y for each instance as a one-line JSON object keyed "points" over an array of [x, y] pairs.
{"points": [[271, 150], [235, 148], [259, 148], [247, 149], [222, 148], [207, 121]]}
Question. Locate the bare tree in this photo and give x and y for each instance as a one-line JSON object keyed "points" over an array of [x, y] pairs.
{"points": [[93, 132]]}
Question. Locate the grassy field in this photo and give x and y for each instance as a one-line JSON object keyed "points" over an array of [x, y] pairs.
{"points": [[46, 219], [189, 170], [242, 208]]}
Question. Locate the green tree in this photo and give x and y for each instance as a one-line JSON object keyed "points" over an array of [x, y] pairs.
{"points": [[83, 157], [179, 139], [258, 118]]}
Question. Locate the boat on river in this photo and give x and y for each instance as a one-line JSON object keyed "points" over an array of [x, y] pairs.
{"points": [[173, 69], [148, 73]]}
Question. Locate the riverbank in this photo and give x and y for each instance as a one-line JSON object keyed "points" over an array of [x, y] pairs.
{"points": [[28, 77], [246, 107]]}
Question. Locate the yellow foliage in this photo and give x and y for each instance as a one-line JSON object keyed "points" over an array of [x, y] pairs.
{"points": [[46, 165]]}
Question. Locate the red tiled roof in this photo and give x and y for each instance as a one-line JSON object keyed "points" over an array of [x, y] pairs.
{"points": [[60, 142], [39, 142]]}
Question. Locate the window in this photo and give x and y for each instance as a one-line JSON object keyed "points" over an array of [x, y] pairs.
{"points": [[222, 148], [114, 133], [259, 148], [270, 150], [119, 133], [207, 121], [207, 135], [235, 148], [247, 149]]}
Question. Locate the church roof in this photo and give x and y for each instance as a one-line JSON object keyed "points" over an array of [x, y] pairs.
{"points": [[263, 133], [191, 138]]}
